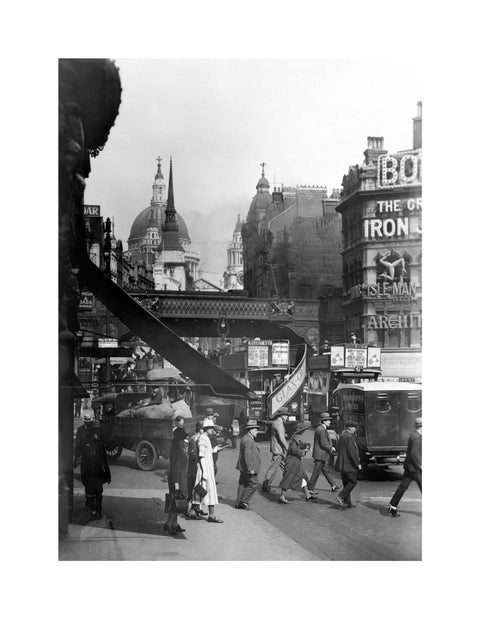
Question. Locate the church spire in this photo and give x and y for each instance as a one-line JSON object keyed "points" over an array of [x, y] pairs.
{"points": [[170, 227], [238, 226]]}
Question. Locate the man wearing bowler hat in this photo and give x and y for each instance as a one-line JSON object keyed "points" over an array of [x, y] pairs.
{"points": [[249, 465], [348, 463], [278, 446], [322, 450], [412, 467]]}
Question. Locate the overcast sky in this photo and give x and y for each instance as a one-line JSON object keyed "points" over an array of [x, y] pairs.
{"points": [[219, 119]]}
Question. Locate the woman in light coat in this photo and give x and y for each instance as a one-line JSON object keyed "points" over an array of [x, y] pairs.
{"points": [[205, 472]]}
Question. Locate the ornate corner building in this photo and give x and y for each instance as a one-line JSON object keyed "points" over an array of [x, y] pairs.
{"points": [[381, 210]]}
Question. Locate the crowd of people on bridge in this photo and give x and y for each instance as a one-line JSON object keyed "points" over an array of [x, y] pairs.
{"points": [[193, 465]]}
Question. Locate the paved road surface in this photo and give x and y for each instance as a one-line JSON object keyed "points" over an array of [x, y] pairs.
{"points": [[366, 533]]}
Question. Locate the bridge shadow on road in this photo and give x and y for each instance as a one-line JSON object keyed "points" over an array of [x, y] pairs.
{"points": [[132, 515]]}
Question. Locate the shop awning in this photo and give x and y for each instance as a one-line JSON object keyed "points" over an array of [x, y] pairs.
{"points": [[162, 339]]}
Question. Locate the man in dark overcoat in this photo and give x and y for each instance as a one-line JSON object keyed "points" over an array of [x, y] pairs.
{"points": [[278, 447], [348, 463], [412, 467], [94, 469], [249, 465], [322, 450]]}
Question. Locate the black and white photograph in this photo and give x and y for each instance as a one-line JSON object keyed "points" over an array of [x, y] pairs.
{"points": [[240, 317], [224, 315]]}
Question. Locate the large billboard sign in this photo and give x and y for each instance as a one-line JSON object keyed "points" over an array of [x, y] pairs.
{"points": [[258, 353], [351, 357], [399, 170], [266, 353]]}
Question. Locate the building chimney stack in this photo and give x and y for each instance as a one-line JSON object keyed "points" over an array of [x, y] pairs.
{"points": [[374, 149], [417, 127]]}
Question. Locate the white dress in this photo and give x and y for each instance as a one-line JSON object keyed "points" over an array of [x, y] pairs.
{"points": [[205, 453]]}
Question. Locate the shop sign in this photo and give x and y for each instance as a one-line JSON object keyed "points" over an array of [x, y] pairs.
{"points": [[394, 321], [384, 290], [396, 170], [394, 226], [86, 300], [91, 210], [386, 228], [397, 206], [107, 342]]}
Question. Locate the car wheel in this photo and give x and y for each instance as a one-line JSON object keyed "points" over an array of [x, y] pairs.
{"points": [[146, 456], [113, 452]]}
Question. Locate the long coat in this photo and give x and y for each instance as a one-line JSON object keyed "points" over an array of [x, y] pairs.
{"points": [[91, 449], [322, 444], [294, 473], [205, 469], [249, 455], [413, 459], [178, 458], [348, 458]]}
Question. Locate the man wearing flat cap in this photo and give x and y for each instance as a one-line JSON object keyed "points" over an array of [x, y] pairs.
{"points": [[348, 463], [249, 465], [412, 467], [322, 450], [278, 446]]}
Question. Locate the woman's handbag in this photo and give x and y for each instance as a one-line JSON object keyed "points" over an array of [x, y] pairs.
{"points": [[180, 505], [200, 490]]}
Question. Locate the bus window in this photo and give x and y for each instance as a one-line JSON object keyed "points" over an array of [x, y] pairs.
{"points": [[382, 404], [414, 402]]}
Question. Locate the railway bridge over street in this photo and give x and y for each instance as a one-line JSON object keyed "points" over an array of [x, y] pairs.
{"points": [[211, 314]]}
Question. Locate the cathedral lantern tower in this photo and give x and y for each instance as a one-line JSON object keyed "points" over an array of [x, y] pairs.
{"points": [[159, 186]]}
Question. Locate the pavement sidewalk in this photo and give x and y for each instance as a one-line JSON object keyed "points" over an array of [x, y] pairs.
{"points": [[137, 518]]}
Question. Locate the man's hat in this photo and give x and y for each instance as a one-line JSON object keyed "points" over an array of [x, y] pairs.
{"points": [[300, 426], [283, 410], [209, 411], [87, 417], [418, 422], [325, 416], [351, 424], [251, 424]]}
